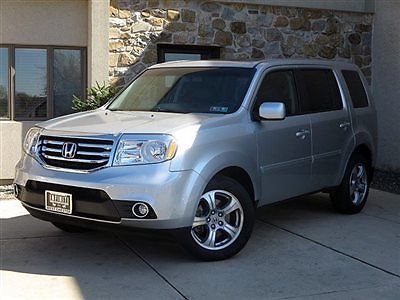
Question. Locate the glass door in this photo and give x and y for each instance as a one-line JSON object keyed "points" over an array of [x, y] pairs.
{"points": [[30, 83], [4, 83], [67, 79]]}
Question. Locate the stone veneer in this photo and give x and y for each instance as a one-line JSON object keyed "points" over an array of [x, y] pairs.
{"points": [[244, 32]]}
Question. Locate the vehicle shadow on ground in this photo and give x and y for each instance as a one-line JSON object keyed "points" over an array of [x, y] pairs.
{"points": [[106, 264], [47, 234]]}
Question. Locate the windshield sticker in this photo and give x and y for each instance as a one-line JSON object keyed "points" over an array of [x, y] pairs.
{"points": [[220, 109]]}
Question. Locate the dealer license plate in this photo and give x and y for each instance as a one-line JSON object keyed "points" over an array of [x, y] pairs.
{"points": [[58, 202]]}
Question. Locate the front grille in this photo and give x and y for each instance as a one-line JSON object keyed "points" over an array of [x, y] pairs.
{"points": [[91, 153]]}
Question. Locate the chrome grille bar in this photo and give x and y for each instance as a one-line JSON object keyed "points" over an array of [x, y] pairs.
{"points": [[103, 154], [106, 147], [86, 161], [45, 142], [47, 149]]}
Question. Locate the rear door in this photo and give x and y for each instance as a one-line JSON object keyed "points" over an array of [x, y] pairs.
{"points": [[321, 99]]}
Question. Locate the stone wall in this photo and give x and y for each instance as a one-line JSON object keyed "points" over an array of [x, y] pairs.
{"points": [[245, 32]]}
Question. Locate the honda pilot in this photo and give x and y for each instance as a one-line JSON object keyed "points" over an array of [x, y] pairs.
{"points": [[195, 147]]}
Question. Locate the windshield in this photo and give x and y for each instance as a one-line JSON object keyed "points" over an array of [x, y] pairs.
{"points": [[186, 90]]}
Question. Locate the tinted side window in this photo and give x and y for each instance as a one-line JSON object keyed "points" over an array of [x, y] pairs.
{"points": [[278, 86], [356, 88], [319, 90]]}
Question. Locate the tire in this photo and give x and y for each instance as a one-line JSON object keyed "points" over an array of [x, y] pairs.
{"points": [[69, 228], [344, 198], [224, 230]]}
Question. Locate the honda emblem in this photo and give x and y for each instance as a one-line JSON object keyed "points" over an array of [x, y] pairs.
{"points": [[68, 150]]}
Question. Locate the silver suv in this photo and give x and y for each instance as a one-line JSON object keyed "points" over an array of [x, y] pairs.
{"points": [[197, 146]]}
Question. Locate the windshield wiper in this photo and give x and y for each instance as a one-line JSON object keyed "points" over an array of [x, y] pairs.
{"points": [[161, 109]]}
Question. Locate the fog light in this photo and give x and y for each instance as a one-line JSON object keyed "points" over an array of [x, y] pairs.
{"points": [[140, 210]]}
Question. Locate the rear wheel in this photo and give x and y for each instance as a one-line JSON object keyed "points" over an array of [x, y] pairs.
{"points": [[69, 228], [223, 221], [351, 196]]}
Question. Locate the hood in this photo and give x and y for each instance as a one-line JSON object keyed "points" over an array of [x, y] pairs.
{"points": [[116, 122]]}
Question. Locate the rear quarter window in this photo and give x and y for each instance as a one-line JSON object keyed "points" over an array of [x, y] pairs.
{"points": [[356, 88]]}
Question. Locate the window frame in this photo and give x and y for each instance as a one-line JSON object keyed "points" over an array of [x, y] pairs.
{"points": [[294, 68], [263, 76], [365, 88], [50, 78], [9, 86], [253, 109], [300, 88], [206, 52]]}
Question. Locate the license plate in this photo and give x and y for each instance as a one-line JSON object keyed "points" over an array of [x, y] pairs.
{"points": [[58, 202]]}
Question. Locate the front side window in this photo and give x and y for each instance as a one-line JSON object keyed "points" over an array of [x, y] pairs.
{"points": [[4, 110], [356, 88], [186, 90], [319, 90], [278, 86]]}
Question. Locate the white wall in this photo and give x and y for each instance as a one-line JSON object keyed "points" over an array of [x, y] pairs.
{"points": [[44, 22], [98, 41], [386, 81], [11, 137]]}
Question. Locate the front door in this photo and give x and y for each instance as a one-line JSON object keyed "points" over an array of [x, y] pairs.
{"points": [[284, 146]]}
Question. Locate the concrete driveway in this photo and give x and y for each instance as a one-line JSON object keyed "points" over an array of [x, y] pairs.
{"points": [[300, 249]]}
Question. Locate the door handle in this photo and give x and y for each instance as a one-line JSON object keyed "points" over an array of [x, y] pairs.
{"points": [[344, 125], [302, 133]]}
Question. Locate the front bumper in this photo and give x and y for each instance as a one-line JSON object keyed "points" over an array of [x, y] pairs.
{"points": [[106, 196]]}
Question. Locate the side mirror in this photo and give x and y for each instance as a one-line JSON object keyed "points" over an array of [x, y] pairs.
{"points": [[272, 111]]}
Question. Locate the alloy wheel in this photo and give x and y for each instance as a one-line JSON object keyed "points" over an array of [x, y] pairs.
{"points": [[218, 220], [358, 183]]}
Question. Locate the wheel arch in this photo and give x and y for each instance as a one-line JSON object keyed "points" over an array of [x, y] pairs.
{"points": [[364, 149], [237, 167], [241, 176]]}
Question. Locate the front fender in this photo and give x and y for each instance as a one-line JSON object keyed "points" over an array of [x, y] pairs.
{"points": [[225, 160], [213, 147]]}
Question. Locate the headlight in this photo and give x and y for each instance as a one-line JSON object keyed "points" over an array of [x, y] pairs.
{"points": [[134, 150], [31, 140]]}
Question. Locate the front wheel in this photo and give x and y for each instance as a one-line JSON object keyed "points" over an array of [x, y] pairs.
{"points": [[223, 221], [350, 197]]}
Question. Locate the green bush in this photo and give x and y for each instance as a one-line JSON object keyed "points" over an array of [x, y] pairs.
{"points": [[96, 97]]}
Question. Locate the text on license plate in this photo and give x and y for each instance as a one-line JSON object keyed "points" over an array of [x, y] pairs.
{"points": [[58, 202]]}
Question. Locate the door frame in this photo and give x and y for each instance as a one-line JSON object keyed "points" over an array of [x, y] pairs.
{"points": [[263, 73]]}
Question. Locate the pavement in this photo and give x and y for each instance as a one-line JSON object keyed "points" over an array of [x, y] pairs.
{"points": [[300, 249]]}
